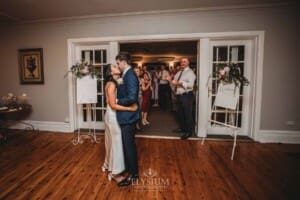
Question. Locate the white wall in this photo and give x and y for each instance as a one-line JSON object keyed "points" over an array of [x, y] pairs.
{"points": [[281, 96]]}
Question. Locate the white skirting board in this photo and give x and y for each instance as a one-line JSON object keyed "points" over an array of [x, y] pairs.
{"points": [[264, 136], [279, 136], [45, 126]]}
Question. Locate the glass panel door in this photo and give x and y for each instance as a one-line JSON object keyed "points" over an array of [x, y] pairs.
{"points": [[223, 53]]}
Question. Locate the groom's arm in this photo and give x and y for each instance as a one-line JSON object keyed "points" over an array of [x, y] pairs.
{"points": [[132, 86]]}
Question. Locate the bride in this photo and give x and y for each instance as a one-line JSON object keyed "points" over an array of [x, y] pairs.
{"points": [[114, 155]]}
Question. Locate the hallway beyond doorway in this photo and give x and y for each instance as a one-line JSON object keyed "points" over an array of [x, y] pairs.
{"points": [[161, 124]]}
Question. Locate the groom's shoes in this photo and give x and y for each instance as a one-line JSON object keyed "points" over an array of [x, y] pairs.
{"points": [[186, 136], [127, 181], [178, 130]]}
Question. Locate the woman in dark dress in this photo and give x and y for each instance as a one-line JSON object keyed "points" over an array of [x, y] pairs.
{"points": [[146, 93]]}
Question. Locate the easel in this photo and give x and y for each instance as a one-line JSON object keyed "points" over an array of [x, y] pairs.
{"points": [[233, 107], [86, 94], [77, 135]]}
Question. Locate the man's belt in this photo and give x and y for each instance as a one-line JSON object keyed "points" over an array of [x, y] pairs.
{"points": [[185, 93]]}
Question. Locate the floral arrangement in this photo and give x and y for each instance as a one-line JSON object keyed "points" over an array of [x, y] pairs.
{"points": [[82, 69], [120, 81], [231, 73]]}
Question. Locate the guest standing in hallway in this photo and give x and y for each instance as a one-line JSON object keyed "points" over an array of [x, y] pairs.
{"points": [[164, 91], [155, 84], [146, 92], [183, 84], [138, 73]]}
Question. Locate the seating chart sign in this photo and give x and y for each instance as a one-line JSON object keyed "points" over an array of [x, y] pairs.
{"points": [[86, 90], [227, 96]]}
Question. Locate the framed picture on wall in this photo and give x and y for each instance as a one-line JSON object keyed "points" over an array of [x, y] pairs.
{"points": [[31, 66]]}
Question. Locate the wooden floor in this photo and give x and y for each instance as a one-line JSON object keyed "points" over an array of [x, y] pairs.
{"points": [[48, 166], [156, 117]]}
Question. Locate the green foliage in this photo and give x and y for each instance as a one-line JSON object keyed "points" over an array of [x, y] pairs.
{"points": [[83, 69], [231, 74]]}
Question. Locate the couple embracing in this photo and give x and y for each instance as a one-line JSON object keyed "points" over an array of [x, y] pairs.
{"points": [[120, 118]]}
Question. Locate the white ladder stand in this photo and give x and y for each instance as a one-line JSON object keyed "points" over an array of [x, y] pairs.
{"points": [[77, 135], [233, 128], [86, 93]]}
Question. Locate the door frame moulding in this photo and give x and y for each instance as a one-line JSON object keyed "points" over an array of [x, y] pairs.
{"points": [[256, 36]]}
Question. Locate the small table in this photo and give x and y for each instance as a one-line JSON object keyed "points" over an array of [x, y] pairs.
{"points": [[12, 116]]}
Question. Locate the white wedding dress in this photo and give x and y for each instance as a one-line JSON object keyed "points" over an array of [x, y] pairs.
{"points": [[114, 155]]}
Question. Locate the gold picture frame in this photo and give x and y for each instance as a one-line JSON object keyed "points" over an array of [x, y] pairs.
{"points": [[31, 67]]}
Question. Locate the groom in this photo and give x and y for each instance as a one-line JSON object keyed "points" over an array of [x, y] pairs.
{"points": [[127, 95]]}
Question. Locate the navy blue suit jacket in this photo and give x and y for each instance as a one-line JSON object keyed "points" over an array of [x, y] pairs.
{"points": [[127, 95]]}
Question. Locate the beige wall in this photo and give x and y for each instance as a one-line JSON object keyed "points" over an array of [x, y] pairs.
{"points": [[280, 100]]}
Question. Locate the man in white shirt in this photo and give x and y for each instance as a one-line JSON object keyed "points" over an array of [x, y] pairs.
{"points": [[164, 91], [183, 84]]}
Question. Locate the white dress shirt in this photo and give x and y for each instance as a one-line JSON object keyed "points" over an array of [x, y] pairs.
{"points": [[125, 70], [162, 76], [187, 79]]}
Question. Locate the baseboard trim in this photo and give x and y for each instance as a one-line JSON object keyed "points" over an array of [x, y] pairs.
{"points": [[44, 126], [265, 136], [279, 136]]}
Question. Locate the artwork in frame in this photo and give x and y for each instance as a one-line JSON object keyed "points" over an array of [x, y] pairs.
{"points": [[31, 66]]}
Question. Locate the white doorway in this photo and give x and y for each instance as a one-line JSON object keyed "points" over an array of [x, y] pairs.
{"points": [[163, 116], [205, 66]]}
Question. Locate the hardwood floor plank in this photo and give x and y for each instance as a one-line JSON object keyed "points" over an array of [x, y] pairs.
{"points": [[48, 166], [70, 166], [36, 154], [37, 172]]}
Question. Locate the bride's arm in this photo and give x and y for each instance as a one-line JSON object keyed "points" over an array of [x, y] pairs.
{"points": [[111, 95]]}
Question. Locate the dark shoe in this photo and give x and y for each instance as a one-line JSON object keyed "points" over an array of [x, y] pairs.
{"points": [[179, 130], [186, 136], [128, 180]]}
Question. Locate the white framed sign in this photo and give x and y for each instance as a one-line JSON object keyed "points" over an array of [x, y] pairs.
{"points": [[227, 96], [86, 90]]}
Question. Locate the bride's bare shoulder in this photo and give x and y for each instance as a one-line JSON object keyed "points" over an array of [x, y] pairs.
{"points": [[110, 85]]}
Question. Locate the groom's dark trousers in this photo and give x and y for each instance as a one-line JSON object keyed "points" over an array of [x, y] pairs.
{"points": [[129, 146], [127, 95]]}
